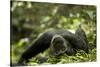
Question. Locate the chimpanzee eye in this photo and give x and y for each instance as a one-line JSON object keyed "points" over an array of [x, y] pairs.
{"points": [[63, 49]]}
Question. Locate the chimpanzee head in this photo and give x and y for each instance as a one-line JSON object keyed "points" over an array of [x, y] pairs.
{"points": [[58, 45]]}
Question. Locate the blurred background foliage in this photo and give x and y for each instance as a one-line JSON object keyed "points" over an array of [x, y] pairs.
{"points": [[29, 19]]}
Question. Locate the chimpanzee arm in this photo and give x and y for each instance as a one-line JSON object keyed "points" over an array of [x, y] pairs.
{"points": [[81, 34], [41, 44]]}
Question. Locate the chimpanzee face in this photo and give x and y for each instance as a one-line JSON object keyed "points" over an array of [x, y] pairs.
{"points": [[58, 46]]}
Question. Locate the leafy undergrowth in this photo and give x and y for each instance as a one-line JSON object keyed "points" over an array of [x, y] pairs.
{"points": [[80, 56]]}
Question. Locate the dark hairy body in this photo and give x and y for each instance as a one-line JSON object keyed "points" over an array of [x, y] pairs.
{"points": [[77, 41]]}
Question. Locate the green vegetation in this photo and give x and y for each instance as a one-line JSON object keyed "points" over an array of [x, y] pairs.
{"points": [[29, 19]]}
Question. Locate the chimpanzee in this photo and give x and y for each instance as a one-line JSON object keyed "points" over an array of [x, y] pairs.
{"points": [[59, 46], [67, 42]]}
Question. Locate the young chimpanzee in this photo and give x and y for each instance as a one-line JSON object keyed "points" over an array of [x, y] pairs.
{"points": [[59, 41]]}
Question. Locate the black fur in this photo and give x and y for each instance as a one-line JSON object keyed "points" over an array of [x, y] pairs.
{"points": [[81, 35], [59, 46], [43, 43]]}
